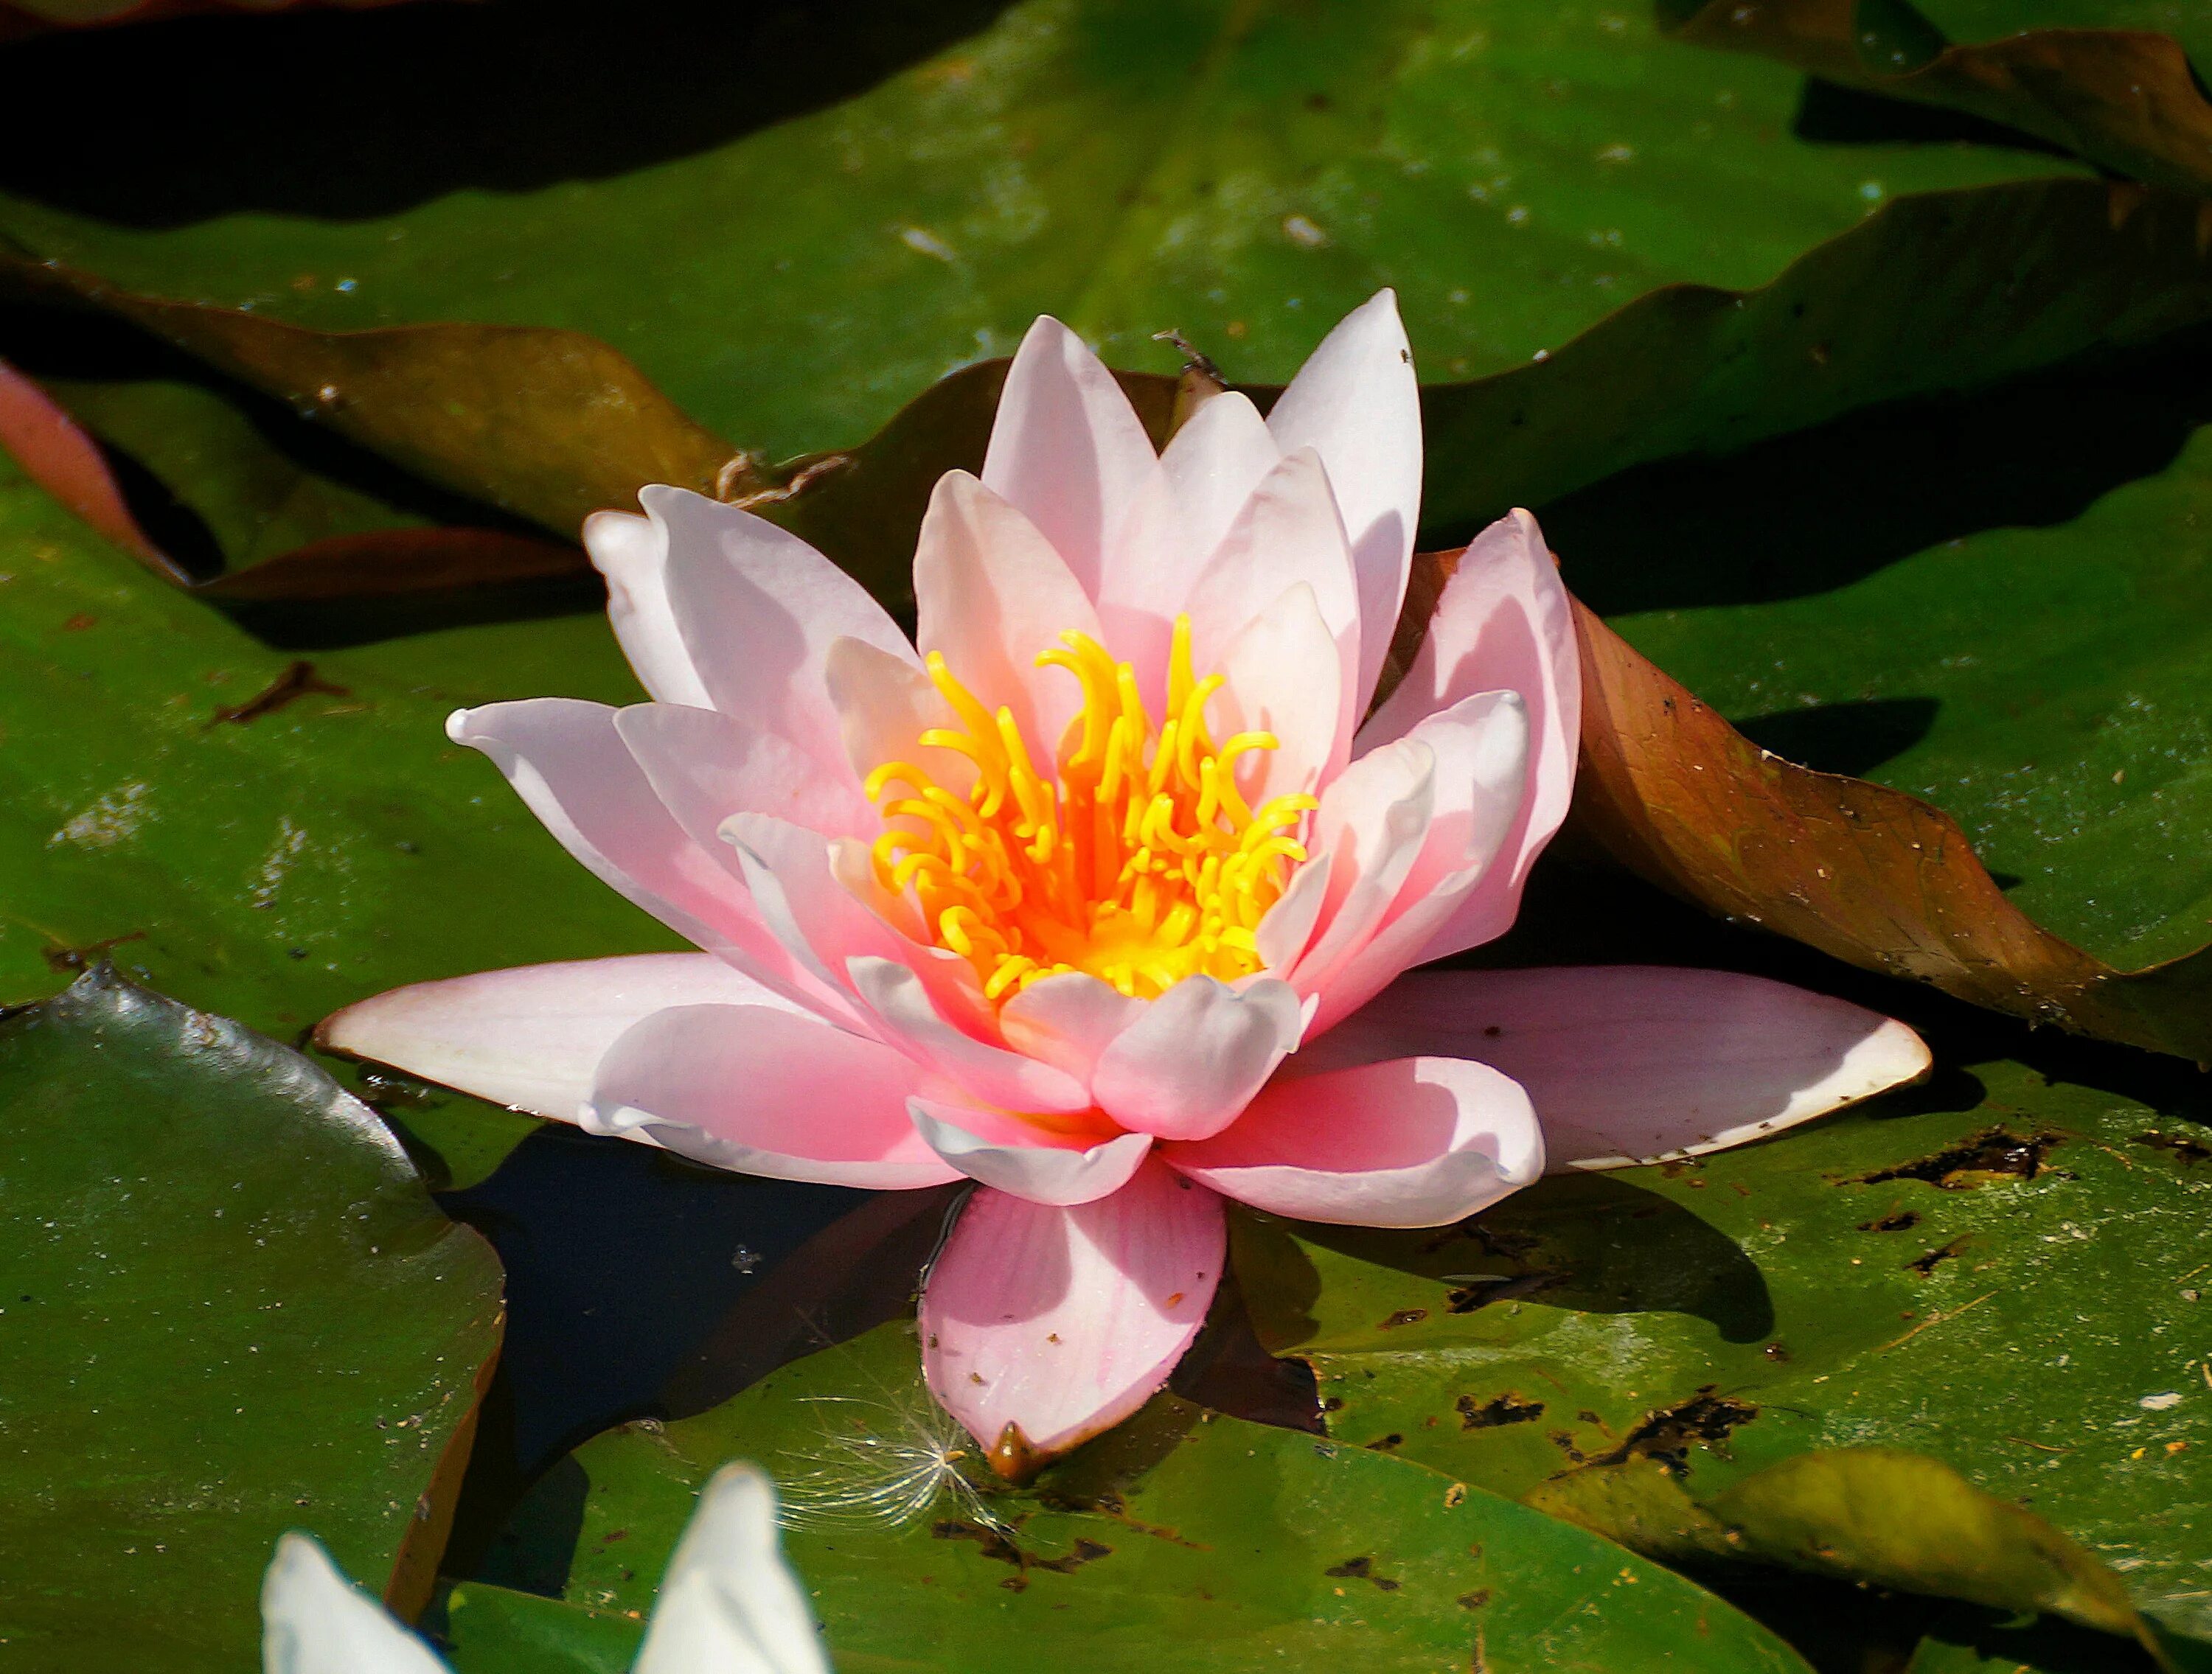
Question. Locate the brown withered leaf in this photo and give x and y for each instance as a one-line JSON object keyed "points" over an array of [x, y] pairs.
{"points": [[1868, 875], [2124, 98], [546, 425]]}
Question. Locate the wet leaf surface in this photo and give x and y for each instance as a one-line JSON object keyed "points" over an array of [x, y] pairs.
{"points": [[233, 1309], [1184, 1537], [314, 847], [1713, 1321], [2125, 99]]}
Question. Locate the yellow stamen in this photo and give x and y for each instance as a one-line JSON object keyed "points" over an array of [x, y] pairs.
{"points": [[1141, 864]]}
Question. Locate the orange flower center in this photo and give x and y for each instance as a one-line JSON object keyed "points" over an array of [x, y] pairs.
{"points": [[1139, 862]]}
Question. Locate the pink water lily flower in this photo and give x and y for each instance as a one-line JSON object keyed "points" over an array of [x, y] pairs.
{"points": [[1049, 898]]}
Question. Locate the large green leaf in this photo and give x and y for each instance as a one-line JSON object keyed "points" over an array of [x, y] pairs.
{"points": [[327, 844], [790, 247], [1185, 1539], [2000, 1272], [232, 1309]]}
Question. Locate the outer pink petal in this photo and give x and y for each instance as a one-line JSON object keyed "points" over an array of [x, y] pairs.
{"points": [[705, 766], [1504, 620], [1287, 533], [1415, 1142], [531, 1037], [758, 609], [1279, 671], [1635, 1063], [900, 1002], [1067, 448], [1067, 1019], [1212, 465], [1015, 1157], [1371, 824], [1355, 402], [766, 1092], [993, 594], [1042, 1327], [632, 553], [567, 761], [1187, 1067]]}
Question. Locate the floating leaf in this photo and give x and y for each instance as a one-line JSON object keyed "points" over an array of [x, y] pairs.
{"points": [[2126, 99], [233, 1309], [1247, 1547], [1870, 1516], [1999, 1271]]}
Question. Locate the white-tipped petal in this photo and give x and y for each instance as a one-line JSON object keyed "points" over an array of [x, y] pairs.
{"points": [[315, 1621], [729, 1603]]}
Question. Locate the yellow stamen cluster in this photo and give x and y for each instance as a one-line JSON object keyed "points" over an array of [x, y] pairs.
{"points": [[1141, 865]]}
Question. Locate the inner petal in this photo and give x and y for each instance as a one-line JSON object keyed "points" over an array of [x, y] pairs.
{"points": [[1132, 856]]}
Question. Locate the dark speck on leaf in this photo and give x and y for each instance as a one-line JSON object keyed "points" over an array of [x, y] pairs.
{"points": [[1404, 1316]]}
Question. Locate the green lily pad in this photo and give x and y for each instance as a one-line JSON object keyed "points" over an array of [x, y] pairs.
{"points": [[495, 1630], [2000, 1272], [326, 843], [1184, 1538], [791, 253], [232, 1309]]}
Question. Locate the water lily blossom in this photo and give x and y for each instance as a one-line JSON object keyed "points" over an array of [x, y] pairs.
{"points": [[728, 1605], [1049, 897]]}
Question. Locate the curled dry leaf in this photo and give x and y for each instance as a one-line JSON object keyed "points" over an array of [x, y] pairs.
{"points": [[1871, 876], [2122, 98]]}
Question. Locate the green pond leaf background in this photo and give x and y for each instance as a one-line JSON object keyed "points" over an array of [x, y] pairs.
{"points": [[1928, 508]]}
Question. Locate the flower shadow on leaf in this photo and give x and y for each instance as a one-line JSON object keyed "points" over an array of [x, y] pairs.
{"points": [[1591, 1243]]}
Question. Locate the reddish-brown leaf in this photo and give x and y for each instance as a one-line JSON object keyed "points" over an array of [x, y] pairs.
{"points": [[2124, 98]]}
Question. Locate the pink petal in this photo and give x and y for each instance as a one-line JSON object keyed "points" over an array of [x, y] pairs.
{"points": [[775, 1093], [1636, 1063], [1191, 1063], [568, 764], [1371, 824], [66, 462], [1356, 404], [900, 1002], [1015, 1157], [531, 1038], [705, 766], [1502, 621], [884, 704], [1412, 1142], [1287, 928], [632, 553], [1288, 532], [806, 906], [1479, 749], [1067, 1019], [1212, 465], [1067, 449], [1042, 1327], [758, 609], [1280, 680], [993, 594]]}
